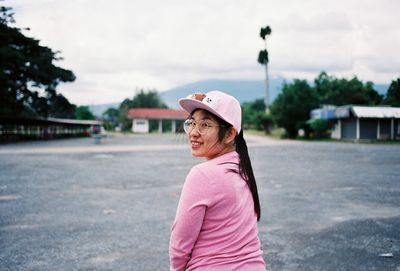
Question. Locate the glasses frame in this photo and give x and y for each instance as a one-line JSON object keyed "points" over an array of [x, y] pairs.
{"points": [[188, 128]]}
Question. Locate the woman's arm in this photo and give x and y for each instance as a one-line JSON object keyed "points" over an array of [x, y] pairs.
{"points": [[194, 200]]}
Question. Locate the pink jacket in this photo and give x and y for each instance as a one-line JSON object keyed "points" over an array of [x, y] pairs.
{"points": [[215, 227]]}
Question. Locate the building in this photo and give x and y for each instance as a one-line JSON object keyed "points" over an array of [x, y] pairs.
{"points": [[141, 117], [23, 128], [361, 122]]}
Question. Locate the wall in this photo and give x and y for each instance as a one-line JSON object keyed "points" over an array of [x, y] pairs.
{"points": [[368, 128], [140, 126], [349, 127]]}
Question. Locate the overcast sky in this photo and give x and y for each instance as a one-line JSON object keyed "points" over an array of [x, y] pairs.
{"points": [[116, 47]]}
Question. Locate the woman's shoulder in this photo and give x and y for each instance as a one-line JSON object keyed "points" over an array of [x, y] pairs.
{"points": [[215, 168]]}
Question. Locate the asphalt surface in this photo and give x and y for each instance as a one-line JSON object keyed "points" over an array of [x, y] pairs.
{"points": [[76, 205]]}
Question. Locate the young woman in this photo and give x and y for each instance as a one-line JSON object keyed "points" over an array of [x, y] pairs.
{"points": [[215, 227]]}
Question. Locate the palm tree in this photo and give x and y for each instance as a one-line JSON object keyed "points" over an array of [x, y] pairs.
{"points": [[263, 59]]}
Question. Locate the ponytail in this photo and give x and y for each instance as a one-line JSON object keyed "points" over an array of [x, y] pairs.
{"points": [[246, 170]]}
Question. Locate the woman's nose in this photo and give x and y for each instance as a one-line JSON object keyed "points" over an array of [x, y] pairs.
{"points": [[194, 131]]}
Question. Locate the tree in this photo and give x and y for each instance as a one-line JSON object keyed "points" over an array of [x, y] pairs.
{"points": [[264, 32], [292, 107], [393, 94], [58, 106], [110, 118], [250, 111], [320, 127], [84, 113], [28, 77], [264, 59], [342, 91], [146, 99]]}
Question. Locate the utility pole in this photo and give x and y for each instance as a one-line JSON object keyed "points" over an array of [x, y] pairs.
{"points": [[263, 59]]}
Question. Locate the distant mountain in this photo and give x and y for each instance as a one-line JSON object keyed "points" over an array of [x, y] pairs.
{"points": [[99, 109], [243, 90], [381, 88]]}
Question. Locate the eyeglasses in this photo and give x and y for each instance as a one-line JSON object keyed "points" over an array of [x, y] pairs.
{"points": [[202, 126]]}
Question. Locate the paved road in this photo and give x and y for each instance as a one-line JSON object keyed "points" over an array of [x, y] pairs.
{"points": [[74, 205]]}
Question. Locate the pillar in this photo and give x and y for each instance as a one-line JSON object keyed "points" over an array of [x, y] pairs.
{"points": [[160, 126], [392, 129], [173, 126], [358, 129], [378, 132]]}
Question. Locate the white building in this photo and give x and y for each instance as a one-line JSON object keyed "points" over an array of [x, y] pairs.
{"points": [[141, 116]]}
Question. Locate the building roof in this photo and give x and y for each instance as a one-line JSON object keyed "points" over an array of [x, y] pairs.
{"points": [[72, 121], [156, 113], [46, 121], [379, 112], [347, 111], [376, 112]]}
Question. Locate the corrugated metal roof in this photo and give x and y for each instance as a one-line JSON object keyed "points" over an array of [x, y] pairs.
{"points": [[156, 113], [45, 121], [376, 112], [72, 121]]}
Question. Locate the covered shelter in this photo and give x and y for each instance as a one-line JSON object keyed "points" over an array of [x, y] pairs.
{"points": [[23, 128], [141, 116], [362, 122]]}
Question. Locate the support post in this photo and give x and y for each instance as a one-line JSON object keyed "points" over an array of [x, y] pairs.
{"points": [[266, 89], [160, 126], [392, 129], [358, 129], [378, 130], [173, 130]]}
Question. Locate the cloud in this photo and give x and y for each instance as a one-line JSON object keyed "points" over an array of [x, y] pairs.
{"points": [[119, 46]]}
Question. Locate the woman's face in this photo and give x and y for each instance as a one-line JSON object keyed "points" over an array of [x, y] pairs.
{"points": [[205, 143]]}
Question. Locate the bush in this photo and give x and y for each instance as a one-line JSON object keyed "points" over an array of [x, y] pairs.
{"points": [[264, 122], [320, 128]]}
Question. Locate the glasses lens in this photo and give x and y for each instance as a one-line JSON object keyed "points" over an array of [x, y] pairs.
{"points": [[203, 126], [186, 126]]}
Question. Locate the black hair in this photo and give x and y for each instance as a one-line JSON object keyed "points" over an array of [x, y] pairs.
{"points": [[245, 169]]}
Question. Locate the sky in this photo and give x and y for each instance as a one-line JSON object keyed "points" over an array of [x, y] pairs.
{"points": [[116, 48]]}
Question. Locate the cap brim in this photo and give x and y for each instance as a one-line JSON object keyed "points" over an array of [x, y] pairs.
{"points": [[191, 104]]}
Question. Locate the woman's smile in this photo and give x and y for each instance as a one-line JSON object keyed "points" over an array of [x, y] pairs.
{"points": [[195, 144]]}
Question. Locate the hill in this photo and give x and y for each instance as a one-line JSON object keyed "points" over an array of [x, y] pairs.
{"points": [[99, 109], [243, 90]]}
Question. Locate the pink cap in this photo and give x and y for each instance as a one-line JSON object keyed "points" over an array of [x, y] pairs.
{"points": [[219, 103]]}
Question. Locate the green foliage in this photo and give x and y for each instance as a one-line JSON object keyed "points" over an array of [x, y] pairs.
{"points": [[250, 111], [84, 113], [254, 116], [263, 57], [292, 107], [26, 69], [393, 94], [342, 92], [264, 122], [263, 54], [110, 119], [265, 31], [145, 99], [320, 128]]}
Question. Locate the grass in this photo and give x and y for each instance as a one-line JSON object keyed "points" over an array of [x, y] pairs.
{"points": [[277, 133]]}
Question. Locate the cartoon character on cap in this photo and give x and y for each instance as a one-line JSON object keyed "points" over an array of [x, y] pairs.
{"points": [[217, 192]]}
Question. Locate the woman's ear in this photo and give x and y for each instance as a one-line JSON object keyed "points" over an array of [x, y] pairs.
{"points": [[230, 136]]}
